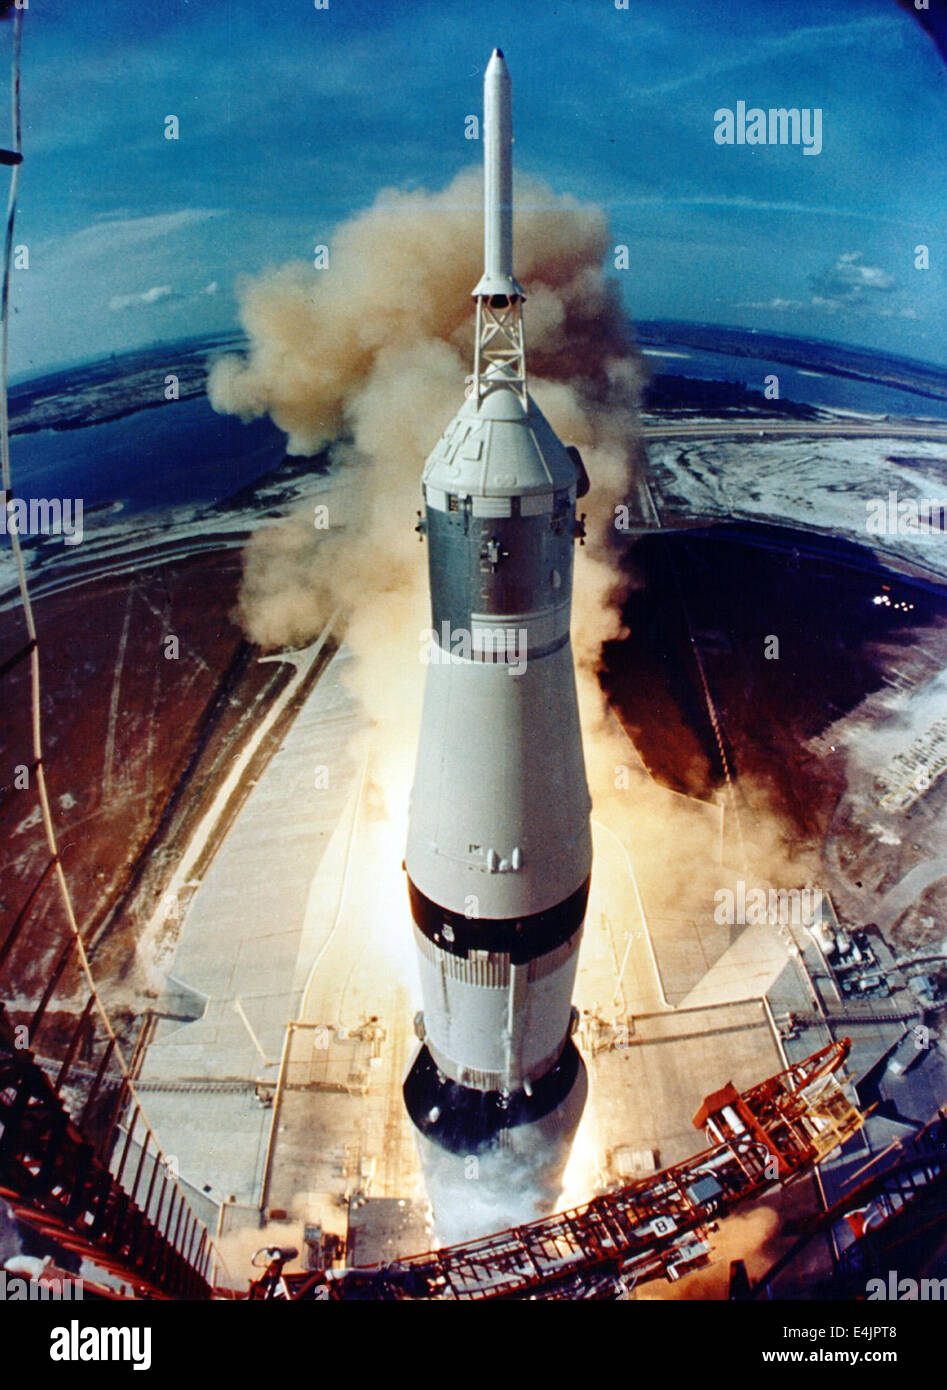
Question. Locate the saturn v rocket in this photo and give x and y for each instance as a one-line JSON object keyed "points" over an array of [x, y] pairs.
{"points": [[499, 848]]}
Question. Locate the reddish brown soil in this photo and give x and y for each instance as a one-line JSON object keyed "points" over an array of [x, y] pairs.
{"points": [[132, 738]]}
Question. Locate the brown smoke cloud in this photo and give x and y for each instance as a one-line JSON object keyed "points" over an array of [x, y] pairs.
{"points": [[369, 357]]}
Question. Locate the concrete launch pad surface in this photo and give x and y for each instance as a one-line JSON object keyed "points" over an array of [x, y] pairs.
{"points": [[302, 920], [645, 1091], [245, 951]]}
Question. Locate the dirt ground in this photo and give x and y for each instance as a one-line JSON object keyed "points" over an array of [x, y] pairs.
{"points": [[147, 688]]}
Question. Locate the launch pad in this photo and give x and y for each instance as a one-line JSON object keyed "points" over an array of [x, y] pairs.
{"points": [[769, 1134], [319, 1124]]}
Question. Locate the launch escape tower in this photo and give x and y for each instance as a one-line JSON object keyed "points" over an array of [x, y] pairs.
{"points": [[499, 848]]}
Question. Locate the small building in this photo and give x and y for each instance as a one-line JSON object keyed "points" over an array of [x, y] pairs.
{"points": [[904, 1055], [925, 987]]}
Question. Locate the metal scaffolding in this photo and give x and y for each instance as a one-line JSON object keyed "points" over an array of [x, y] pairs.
{"points": [[658, 1226]]}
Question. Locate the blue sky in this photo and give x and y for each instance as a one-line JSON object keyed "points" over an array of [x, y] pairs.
{"points": [[291, 118]]}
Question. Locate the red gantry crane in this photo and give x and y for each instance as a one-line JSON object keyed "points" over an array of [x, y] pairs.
{"points": [[760, 1138]]}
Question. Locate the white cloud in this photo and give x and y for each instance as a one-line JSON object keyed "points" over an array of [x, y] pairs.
{"points": [[152, 296], [775, 303], [868, 213], [848, 284], [112, 237], [849, 281], [159, 294], [822, 37], [906, 313]]}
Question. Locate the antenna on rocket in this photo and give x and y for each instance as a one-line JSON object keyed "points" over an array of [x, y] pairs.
{"points": [[500, 352]]}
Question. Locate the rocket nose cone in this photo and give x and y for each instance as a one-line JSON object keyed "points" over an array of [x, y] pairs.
{"points": [[497, 53]]}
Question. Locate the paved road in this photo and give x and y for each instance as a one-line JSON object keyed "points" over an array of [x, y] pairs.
{"points": [[304, 660], [717, 429], [907, 891]]}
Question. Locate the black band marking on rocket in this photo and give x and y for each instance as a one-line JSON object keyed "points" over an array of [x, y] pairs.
{"points": [[521, 938], [463, 1120]]}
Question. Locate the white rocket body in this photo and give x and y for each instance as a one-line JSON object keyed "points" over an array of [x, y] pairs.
{"points": [[499, 848]]}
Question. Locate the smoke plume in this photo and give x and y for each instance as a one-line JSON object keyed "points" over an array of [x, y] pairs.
{"points": [[367, 359]]}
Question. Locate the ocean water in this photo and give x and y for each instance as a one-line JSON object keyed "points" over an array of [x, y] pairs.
{"points": [[181, 452], [795, 384]]}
